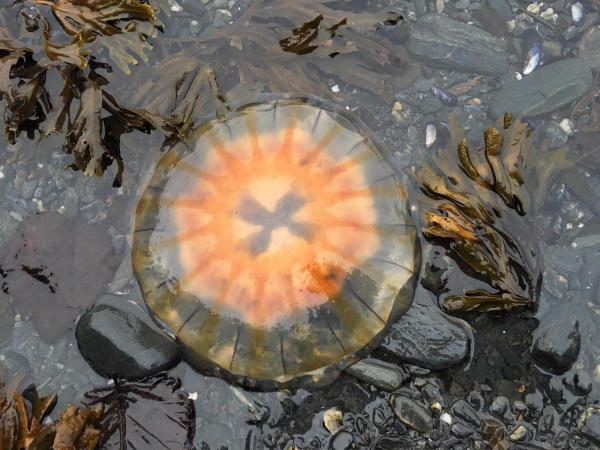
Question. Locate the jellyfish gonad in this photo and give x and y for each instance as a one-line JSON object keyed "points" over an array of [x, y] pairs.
{"points": [[276, 243]]}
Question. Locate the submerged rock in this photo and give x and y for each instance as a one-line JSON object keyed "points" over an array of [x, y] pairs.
{"points": [[589, 47], [546, 89], [384, 375], [557, 345], [455, 45], [425, 337], [118, 344], [412, 414]]}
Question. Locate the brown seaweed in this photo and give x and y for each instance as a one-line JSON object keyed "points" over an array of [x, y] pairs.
{"points": [[94, 140], [120, 25], [480, 204], [23, 426], [264, 51]]}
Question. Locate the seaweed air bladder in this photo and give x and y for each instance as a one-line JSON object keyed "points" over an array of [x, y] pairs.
{"points": [[276, 243]]}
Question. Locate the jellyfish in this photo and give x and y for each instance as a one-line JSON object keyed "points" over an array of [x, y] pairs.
{"points": [[276, 243]]}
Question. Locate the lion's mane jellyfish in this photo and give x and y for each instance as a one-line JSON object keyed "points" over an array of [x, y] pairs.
{"points": [[277, 244]]}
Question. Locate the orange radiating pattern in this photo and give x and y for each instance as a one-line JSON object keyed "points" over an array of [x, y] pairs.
{"points": [[265, 231]]}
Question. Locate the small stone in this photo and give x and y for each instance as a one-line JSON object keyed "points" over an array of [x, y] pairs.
{"points": [[118, 344], [589, 424], [384, 375], [579, 383], [519, 433], [342, 441], [424, 84], [436, 408], [194, 27], [533, 8], [446, 418], [333, 420], [466, 412], [412, 414], [535, 401], [222, 16], [547, 14], [557, 345], [460, 430], [519, 406], [567, 125], [499, 405]]}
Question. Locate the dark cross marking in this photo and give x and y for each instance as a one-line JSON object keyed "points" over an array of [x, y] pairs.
{"points": [[251, 211]]}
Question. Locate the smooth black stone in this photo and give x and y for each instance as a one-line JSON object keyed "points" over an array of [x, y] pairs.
{"points": [[456, 45], [425, 337], [412, 414], [591, 425], [466, 412], [382, 374], [460, 430], [557, 346], [119, 344]]}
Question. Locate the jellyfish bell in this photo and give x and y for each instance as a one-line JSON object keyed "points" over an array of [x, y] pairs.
{"points": [[276, 243]]}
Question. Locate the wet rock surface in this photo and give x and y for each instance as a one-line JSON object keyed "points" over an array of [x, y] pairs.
{"points": [[557, 345], [455, 45], [118, 344], [426, 337], [412, 414], [546, 89], [384, 375], [501, 368], [589, 47]]}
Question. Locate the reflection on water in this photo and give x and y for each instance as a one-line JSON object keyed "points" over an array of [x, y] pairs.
{"points": [[468, 59]]}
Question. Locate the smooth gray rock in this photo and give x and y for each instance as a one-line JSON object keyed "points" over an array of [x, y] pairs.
{"points": [[457, 46], [589, 47], [557, 345], [379, 373], [425, 337], [118, 344], [546, 89], [412, 414]]}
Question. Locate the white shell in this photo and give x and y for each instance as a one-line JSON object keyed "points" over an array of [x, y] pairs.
{"points": [[430, 135], [577, 12]]}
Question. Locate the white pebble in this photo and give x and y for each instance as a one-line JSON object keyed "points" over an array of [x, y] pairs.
{"points": [[547, 14], [567, 126], [175, 6], [577, 12], [193, 396], [533, 8], [446, 418], [335, 88]]}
